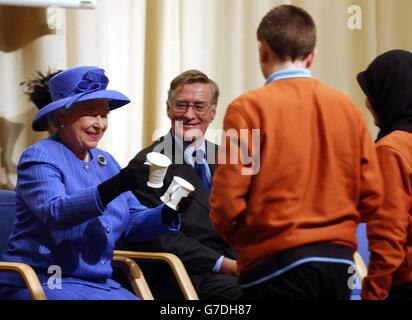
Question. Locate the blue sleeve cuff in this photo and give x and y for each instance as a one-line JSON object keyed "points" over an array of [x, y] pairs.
{"points": [[146, 223], [218, 264]]}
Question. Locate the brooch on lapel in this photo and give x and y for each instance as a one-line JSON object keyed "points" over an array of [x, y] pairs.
{"points": [[101, 160]]}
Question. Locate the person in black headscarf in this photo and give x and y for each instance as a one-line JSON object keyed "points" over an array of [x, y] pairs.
{"points": [[387, 83]]}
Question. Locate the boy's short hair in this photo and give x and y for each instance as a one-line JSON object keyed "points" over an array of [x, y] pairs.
{"points": [[289, 31]]}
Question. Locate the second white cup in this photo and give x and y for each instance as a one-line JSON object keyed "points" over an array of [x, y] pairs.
{"points": [[178, 189]]}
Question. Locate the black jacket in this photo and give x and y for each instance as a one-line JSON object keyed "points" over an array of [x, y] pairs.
{"points": [[197, 243]]}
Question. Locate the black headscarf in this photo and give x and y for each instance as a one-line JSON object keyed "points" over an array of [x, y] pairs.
{"points": [[387, 83]]}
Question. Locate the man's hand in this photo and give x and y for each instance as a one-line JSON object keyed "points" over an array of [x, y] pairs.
{"points": [[229, 266]]}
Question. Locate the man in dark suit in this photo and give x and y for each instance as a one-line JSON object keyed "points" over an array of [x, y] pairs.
{"points": [[209, 260]]}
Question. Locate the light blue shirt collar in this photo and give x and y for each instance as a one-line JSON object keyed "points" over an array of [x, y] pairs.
{"points": [[289, 73], [189, 151]]}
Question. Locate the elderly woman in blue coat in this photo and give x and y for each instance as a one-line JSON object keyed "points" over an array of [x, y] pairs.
{"points": [[73, 200]]}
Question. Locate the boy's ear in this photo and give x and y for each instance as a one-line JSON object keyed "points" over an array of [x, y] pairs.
{"points": [[263, 51], [310, 58]]}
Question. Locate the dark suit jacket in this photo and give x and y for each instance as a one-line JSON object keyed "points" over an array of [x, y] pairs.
{"points": [[197, 243]]}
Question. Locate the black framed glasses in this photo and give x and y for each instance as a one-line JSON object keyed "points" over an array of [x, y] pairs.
{"points": [[181, 107]]}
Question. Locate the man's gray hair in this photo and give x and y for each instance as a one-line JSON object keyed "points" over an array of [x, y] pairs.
{"points": [[193, 76]]}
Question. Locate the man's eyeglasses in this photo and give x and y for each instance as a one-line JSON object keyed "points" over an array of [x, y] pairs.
{"points": [[181, 107]]}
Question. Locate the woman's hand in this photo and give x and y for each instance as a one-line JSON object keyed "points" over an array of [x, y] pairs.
{"points": [[168, 214]]}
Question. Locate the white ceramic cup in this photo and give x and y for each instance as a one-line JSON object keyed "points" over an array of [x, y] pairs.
{"points": [[178, 189], [158, 167]]}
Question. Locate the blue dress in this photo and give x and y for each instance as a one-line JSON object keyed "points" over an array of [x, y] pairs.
{"points": [[62, 227]]}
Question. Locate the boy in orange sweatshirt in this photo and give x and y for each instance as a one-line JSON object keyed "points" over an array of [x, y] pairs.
{"points": [[292, 213]]}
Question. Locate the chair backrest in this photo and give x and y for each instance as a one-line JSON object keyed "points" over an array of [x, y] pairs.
{"points": [[7, 216]]}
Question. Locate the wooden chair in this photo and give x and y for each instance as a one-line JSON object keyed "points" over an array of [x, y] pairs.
{"points": [[126, 260]]}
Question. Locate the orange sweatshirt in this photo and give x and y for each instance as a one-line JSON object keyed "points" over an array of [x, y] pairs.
{"points": [[318, 173], [390, 233]]}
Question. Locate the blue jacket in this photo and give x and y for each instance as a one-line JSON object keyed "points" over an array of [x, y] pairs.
{"points": [[61, 220]]}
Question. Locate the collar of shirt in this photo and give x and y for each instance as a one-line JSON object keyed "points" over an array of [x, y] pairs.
{"points": [[289, 73], [189, 152]]}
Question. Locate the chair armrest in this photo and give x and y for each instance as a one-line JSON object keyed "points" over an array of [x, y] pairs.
{"points": [[29, 277], [172, 260], [135, 275], [361, 267]]}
